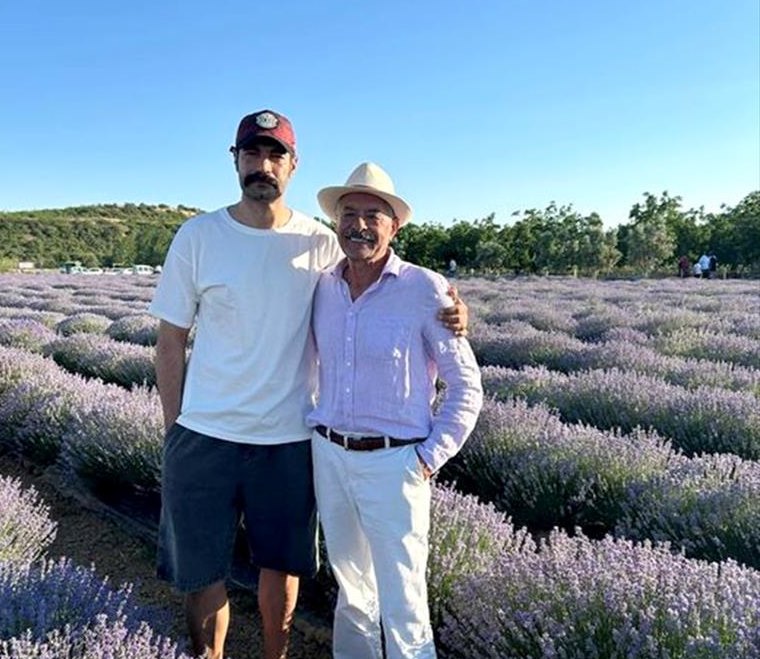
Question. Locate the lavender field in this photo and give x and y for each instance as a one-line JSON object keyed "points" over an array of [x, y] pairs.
{"points": [[607, 504]]}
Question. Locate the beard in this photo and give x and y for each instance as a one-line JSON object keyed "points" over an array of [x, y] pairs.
{"points": [[260, 187]]}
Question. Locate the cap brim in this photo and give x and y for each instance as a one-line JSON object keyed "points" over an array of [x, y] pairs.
{"points": [[264, 138], [328, 200]]}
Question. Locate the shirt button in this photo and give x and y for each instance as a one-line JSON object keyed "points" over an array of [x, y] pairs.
{"points": [[348, 363], [348, 338]]}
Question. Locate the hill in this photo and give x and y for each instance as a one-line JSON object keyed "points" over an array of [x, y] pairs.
{"points": [[97, 235]]}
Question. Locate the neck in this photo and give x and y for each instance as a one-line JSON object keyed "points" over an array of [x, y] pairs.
{"points": [[261, 214], [360, 275]]}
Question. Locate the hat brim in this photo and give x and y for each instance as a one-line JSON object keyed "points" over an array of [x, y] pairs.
{"points": [[328, 200]]}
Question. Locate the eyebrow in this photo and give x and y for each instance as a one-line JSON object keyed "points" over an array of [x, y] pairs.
{"points": [[370, 209]]}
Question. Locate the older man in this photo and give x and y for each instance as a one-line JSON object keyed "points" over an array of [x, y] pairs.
{"points": [[376, 441]]}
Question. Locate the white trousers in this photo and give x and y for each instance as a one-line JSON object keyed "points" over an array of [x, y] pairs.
{"points": [[375, 512]]}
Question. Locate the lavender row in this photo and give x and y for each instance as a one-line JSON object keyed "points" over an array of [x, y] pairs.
{"points": [[467, 537], [546, 473], [109, 436], [79, 345], [26, 530], [578, 599], [66, 306], [707, 506], [103, 638], [706, 344], [106, 295], [517, 345], [589, 309], [26, 334], [139, 328], [704, 420], [101, 357], [55, 608], [47, 318]]}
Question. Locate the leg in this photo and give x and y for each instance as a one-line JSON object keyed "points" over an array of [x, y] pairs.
{"points": [[207, 613], [394, 506], [281, 526], [278, 594], [356, 625], [199, 517]]}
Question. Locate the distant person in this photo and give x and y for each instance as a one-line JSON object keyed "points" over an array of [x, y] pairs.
{"points": [[376, 440], [684, 267], [452, 270], [696, 269], [713, 267], [237, 444], [704, 265]]}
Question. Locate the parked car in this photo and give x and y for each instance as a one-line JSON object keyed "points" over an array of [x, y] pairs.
{"points": [[71, 267]]}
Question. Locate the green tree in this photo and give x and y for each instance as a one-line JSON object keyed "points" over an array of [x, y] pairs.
{"points": [[651, 242], [421, 244], [491, 257], [736, 234]]}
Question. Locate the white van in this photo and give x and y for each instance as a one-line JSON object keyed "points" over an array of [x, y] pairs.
{"points": [[142, 269]]}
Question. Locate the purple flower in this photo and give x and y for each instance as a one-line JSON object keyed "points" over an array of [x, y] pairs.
{"points": [[26, 530]]}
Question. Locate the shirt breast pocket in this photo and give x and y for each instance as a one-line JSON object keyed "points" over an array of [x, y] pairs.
{"points": [[386, 340], [386, 353]]}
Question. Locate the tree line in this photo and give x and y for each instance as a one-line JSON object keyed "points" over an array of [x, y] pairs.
{"points": [[559, 240], [555, 240]]}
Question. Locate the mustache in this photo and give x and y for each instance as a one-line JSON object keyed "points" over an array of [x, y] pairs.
{"points": [[360, 236], [260, 177]]}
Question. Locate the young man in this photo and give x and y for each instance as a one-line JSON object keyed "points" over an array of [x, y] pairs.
{"points": [[376, 441], [237, 443]]}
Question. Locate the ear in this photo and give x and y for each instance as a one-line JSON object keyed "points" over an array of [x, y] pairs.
{"points": [[396, 226], [293, 164]]}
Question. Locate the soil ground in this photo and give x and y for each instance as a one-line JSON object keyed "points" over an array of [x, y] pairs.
{"points": [[88, 534]]}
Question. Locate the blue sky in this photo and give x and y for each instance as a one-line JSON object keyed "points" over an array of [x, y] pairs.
{"points": [[472, 107]]}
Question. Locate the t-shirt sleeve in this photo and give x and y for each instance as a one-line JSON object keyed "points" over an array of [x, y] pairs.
{"points": [[332, 252], [176, 297]]}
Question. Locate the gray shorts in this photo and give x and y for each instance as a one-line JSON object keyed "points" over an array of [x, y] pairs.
{"points": [[208, 485]]}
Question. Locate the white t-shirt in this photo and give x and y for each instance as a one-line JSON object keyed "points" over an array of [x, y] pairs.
{"points": [[251, 376]]}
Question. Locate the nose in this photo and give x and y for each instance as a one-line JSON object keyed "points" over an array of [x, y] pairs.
{"points": [[361, 222]]}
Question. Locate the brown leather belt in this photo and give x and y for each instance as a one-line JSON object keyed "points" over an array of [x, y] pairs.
{"points": [[364, 443]]}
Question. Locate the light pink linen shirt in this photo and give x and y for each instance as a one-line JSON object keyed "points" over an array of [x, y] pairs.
{"points": [[379, 357]]}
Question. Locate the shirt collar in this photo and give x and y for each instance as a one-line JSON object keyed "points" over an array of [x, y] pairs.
{"points": [[392, 266]]}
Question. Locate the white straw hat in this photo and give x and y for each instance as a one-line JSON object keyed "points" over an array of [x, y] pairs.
{"points": [[367, 178]]}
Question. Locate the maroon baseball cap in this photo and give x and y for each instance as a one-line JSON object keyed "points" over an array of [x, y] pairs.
{"points": [[266, 123]]}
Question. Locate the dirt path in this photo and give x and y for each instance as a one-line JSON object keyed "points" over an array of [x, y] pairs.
{"points": [[91, 537]]}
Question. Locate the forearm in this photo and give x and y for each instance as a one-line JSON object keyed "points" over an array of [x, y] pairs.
{"points": [[463, 400], [170, 370]]}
